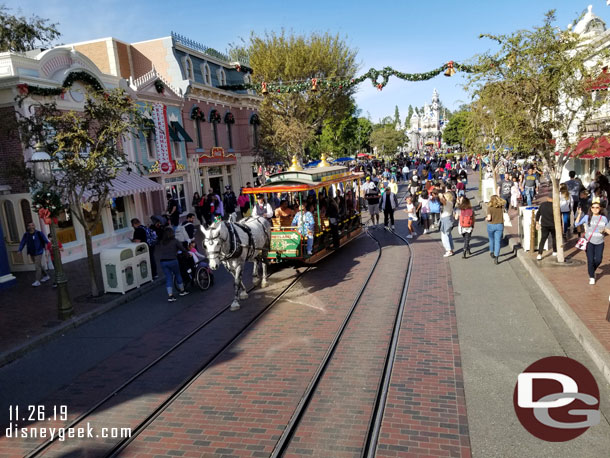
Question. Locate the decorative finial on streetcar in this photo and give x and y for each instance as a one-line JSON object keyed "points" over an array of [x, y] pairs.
{"points": [[295, 167], [323, 162]]}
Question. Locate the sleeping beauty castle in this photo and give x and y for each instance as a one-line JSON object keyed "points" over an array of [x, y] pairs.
{"points": [[427, 127]]}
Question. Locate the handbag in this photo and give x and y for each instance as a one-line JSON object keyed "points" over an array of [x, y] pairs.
{"points": [[583, 242], [507, 222]]}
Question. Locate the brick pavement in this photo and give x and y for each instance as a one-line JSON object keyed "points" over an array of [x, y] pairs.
{"points": [[241, 405], [137, 401], [590, 302], [425, 414], [337, 420]]}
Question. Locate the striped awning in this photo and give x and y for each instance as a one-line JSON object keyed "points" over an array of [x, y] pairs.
{"points": [[126, 184]]}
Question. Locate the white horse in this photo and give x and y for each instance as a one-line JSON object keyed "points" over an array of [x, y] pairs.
{"points": [[233, 244]]}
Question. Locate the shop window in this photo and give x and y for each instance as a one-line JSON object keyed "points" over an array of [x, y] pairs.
{"points": [[177, 192], [215, 133], [65, 227], [176, 151], [119, 213], [11, 222], [91, 211], [197, 125], [230, 135], [151, 149]]}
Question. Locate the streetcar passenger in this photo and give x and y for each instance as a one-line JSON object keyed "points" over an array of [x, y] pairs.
{"points": [[304, 221], [284, 213]]}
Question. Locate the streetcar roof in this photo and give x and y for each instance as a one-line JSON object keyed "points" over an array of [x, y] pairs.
{"points": [[304, 180]]}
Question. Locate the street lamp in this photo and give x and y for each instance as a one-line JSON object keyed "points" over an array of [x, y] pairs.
{"points": [[41, 161]]}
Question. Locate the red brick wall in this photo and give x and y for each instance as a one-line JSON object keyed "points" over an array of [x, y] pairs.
{"points": [[11, 151]]}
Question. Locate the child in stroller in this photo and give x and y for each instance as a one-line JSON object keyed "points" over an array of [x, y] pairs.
{"points": [[194, 268]]}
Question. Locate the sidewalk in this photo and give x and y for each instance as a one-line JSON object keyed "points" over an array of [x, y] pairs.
{"points": [[582, 306], [28, 315]]}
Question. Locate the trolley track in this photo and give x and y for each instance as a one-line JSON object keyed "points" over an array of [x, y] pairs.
{"points": [[135, 377], [372, 433]]}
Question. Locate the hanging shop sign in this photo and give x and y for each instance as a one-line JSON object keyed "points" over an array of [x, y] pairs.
{"points": [[159, 117]]}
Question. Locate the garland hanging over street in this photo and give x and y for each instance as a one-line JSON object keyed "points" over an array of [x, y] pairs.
{"points": [[378, 78]]}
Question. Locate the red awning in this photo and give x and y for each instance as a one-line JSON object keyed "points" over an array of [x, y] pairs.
{"points": [[601, 82], [592, 148]]}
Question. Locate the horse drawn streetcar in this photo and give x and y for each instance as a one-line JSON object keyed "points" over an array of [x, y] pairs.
{"points": [[329, 194]]}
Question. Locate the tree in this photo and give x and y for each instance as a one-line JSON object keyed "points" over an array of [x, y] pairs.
{"points": [[289, 121], [543, 78], [408, 118], [86, 153], [20, 34], [396, 117], [387, 139], [455, 132]]}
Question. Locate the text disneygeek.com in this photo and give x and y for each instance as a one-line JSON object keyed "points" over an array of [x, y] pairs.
{"points": [[62, 434]]}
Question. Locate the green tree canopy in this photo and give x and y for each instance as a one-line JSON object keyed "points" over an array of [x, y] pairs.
{"points": [[387, 139], [455, 132], [20, 34], [86, 152], [289, 121], [535, 91]]}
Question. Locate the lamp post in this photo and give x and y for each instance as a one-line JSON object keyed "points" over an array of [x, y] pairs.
{"points": [[42, 171]]}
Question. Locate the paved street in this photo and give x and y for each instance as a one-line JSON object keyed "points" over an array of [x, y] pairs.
{"points": [[469, 328]]}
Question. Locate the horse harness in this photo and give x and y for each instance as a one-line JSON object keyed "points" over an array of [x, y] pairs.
{"points": [[235, 244]]}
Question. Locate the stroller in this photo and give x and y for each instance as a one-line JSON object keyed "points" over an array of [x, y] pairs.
{"points": [[193, 273]]}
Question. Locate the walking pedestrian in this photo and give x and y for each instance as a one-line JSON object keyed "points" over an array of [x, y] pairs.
{"points": [[530, 185], [466, 223], [36, 242], [446, 200], [197, 203], [424, 203], [243, 201], [595, 226], [565, 206], [372, 197], [411, 211], [389, 202], [173, 210], [495, 225], [545, 223], [167, 251]]}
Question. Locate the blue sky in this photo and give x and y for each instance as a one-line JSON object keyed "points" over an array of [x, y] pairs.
{"points": [[410, 36]]}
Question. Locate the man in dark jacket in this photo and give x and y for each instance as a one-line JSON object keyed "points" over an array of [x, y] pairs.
{"points": [[36, 243], [173, 210], [229, 201], [546, 223]]}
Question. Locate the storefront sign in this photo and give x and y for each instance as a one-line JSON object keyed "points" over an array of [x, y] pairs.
{"points": [[217, 154], [159, 117]]}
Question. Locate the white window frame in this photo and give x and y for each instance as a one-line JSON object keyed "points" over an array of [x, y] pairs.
{"points": [[206, 73], [188, 65], [151, 147], [176, 151], [222, 77]]}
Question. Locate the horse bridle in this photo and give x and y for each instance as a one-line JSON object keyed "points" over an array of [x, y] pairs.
{"points": [[212, 254]]}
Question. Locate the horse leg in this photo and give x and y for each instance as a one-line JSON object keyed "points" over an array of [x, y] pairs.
{"points": [[237, 284], [255, 273], [264, 265]]}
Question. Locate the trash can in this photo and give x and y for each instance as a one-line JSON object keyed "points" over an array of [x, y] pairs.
{"points": [[142, 264], [526, 215], [488, 189], [118, 269]]}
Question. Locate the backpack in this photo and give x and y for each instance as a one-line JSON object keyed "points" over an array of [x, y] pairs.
{"points": [[467, 218], [182, 235], [151, 236]]}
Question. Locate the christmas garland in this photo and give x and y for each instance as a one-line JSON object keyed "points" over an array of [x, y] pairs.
{"points": [[28, 89], [197, 114], [378, 78], [159, 86], [47, 202], [215, 116], [254, 119], [229, 118]]}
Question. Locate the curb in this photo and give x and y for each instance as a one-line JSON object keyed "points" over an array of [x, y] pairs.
{"points": [[20, 350], [595, 350]]}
